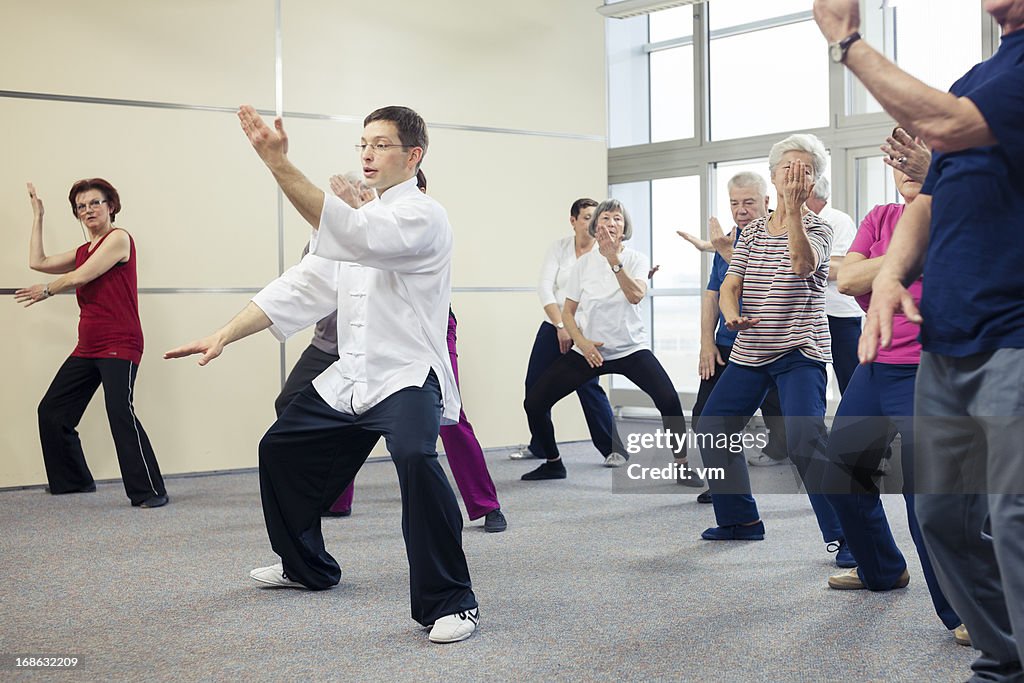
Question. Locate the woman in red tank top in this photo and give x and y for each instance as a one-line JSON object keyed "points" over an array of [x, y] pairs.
{"points": [[109, 350]]}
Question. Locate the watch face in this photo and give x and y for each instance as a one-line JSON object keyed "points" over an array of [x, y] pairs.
{"points": [[835, 52]]}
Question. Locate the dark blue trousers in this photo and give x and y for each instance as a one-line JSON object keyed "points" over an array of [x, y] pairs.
{"points": [[878, 404], [313, 452], [845, 333], [801, 385], [596, 408]]}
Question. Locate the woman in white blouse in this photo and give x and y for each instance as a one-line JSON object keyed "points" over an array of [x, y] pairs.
{"points": [[553, 339], [603, 318]]}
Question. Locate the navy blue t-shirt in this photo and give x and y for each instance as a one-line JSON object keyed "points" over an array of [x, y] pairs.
{"points": [[973, 298], [719, 267]]}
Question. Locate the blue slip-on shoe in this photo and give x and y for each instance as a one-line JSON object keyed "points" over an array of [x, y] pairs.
{"points": [[736, 532]]}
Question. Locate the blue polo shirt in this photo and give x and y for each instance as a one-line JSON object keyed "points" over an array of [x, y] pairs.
{"points": [[719, 267], [973, 298]]}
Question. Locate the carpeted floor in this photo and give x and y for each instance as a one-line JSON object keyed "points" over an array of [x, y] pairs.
{"points": [[585, 585]]}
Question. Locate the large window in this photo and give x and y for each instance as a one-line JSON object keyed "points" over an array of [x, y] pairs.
{"points": [[766, 75], [701, 92]]}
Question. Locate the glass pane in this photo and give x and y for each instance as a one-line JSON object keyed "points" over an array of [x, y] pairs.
{"points": [[921, 25], [629, 96], [746, 71], [671, 23], [736, 12], [875, 185], [675, 206], [916, 27], [676, 339], [672, 94]]}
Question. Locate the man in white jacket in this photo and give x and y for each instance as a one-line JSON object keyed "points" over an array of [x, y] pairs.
{"points": [[386, 267]]}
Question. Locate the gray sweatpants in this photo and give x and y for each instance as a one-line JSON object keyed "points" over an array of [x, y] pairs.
{"points": [[971, 509]]}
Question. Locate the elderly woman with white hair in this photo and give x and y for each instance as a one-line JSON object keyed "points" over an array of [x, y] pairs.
{"points": [[605, 289], [780, 269]]}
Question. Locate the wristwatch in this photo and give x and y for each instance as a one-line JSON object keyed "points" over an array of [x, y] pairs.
{"points": [[617, 267], [560, 326], [837, 51]]}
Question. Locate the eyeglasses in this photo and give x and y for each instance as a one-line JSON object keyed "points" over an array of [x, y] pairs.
{"points": [[378, 148], [93, 204]]}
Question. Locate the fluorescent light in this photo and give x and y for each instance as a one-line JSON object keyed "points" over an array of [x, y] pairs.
{"points": [[636, 8]]}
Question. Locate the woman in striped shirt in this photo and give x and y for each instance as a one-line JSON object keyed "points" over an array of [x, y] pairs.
{"points": [[780, 269]]}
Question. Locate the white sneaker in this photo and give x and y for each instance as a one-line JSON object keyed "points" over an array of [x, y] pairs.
{"points": [[763, 460], [274, 576], [521, 453], [455, 627], [614, 460]]}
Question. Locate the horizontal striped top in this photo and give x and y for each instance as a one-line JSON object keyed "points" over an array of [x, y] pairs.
{"points": [[791, 308]]}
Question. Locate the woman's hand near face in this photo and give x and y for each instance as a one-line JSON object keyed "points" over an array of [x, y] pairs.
{"points": [[607, 245], [796, 187], [907, 154]]}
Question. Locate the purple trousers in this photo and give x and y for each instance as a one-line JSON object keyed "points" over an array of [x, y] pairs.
{"points": [[465, 457]]}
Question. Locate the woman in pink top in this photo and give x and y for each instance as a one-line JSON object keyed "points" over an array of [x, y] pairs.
{"points": [[877, 405]]}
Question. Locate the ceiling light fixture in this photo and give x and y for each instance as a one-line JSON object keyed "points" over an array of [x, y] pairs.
{"points": [[636, 8]]}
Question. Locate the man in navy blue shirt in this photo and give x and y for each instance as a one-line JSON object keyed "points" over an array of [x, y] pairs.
{"points": [[964, 234]]}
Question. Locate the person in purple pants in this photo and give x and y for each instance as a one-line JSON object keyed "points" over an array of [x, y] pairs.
{"points": [[465, 456]]}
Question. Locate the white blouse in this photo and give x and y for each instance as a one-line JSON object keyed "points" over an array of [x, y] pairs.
{"points": [[554, 274], [386, 268], [606, 313]]}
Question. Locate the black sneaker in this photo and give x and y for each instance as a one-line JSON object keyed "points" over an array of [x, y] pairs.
{"points": [[704, 498], [495, 522], [548, 470]]}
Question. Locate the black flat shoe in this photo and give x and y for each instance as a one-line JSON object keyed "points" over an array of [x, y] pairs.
{"points": [[88, 489], [152, 502]]}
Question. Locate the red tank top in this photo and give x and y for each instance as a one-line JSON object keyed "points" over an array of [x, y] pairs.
{"points": [[109, 324]]}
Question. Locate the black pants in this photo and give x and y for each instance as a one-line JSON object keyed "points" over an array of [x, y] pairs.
{"points": [[310, 365], [61, 410], [570, 371], [313, 452], [771, 409]]}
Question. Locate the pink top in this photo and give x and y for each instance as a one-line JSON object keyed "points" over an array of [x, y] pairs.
{"points": [[872, 240]]}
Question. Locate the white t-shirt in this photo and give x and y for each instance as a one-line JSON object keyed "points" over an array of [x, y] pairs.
{"points": [[843, 231], [606, 314]]}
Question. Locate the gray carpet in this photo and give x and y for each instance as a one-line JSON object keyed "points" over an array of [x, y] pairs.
{"points": [[584, 585]]}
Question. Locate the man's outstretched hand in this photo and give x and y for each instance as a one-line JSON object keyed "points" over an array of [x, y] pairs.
{"points": [[210, 347]]}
